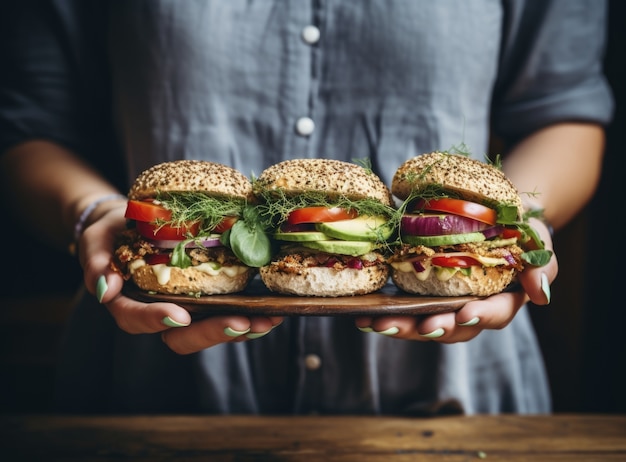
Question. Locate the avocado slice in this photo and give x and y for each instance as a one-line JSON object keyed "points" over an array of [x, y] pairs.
{"points": [[353, 248], [301, 236], [363, 228], [448, 239]]}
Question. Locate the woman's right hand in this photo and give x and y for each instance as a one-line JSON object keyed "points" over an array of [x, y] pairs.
{"points": [[134, 317]]}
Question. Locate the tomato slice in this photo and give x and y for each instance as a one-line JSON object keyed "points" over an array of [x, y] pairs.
{"points": [[157, 231], [225, 225], [320, 215], [157, 258], [459, 207], [508, 233], [146, 211], [455, 262]]}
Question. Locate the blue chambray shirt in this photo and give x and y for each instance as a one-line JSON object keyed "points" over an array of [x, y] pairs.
{"points": [[250, 83]]}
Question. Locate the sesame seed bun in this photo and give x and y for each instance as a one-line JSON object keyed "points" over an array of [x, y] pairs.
{"points": [[334, 180], [190, 281], [328, 176], [480, 282], [184, 176], [191, 175], [469, 178], [325, 282]]}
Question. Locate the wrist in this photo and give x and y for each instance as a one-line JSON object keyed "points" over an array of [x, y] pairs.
{"points": [[89, 211]]}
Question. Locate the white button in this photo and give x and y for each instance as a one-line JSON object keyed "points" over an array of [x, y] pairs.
{"points": [[305, 126], [310, 34], [312, 362]]}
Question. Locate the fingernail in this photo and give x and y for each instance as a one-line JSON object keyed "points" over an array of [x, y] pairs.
{"points": [[545, 286], [391, 331], [472, 322], [101, 287], [367, 330], [434, 334], [253, 335], [235, 333], [169, 322]]}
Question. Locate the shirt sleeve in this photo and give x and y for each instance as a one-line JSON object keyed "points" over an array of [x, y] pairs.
{"points": [[551, 66], [54, 81]]}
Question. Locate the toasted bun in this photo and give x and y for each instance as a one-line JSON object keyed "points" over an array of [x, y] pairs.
{"points": [[191, 281], [471, 179], [191, 175], [328, 176], [481, 282], [325, 282]]}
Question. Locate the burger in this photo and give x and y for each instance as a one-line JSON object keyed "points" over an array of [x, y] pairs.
{"points": [[191, 229], [329, 221], [462, 228]]}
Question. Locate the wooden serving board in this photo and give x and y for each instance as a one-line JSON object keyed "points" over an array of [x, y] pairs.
{"points": [[258, 300]]}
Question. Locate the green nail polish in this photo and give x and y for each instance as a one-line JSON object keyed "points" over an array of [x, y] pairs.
{"points": [[367, 330], [545, 286], [472, 322], [391, 331], [101, 288], [235, 333], [434, 334], [254, 335], [169, 322]]}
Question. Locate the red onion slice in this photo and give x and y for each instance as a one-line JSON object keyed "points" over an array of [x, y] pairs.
{"points": [[355, 263], [492, 231], [439, 224]]}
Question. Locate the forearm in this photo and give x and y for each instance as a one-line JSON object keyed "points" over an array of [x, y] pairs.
{"points": [[558, 169], [51, 187]]}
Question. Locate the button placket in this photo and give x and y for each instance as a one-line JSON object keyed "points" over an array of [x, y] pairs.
{"points": [[311, 35], [305, 126]]}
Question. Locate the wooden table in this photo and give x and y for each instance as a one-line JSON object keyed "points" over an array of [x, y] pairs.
{"points": [[315, 438]]}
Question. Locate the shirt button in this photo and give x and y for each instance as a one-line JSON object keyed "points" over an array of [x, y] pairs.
{"points": [[305, 126], [310, 35], [312, 362]]}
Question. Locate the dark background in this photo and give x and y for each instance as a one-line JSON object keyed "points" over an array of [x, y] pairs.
{"points": [[581, 331]]}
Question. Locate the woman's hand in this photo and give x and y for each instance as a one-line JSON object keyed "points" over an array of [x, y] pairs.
{"points": [[174, 322], [494, 312]]}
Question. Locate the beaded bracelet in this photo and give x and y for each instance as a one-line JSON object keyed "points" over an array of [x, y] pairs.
{"points": [[79, 227]]}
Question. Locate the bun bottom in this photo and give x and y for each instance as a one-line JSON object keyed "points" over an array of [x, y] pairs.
{"points": [[325, 282], [191, 281], [481, 282]]}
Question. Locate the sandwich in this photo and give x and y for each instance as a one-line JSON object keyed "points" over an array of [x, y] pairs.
{"points": [[191, 229], [462, 230], [329, 220]]}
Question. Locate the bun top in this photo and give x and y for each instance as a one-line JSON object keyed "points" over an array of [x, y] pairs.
{"points": [[469, 178], [191, 176], [328, 176]]}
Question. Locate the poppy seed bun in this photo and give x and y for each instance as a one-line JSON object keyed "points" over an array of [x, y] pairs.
{"points": [[325, 282], [191, 175], [472, 179], [189, 281], [480, 282], [328, 176]]}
